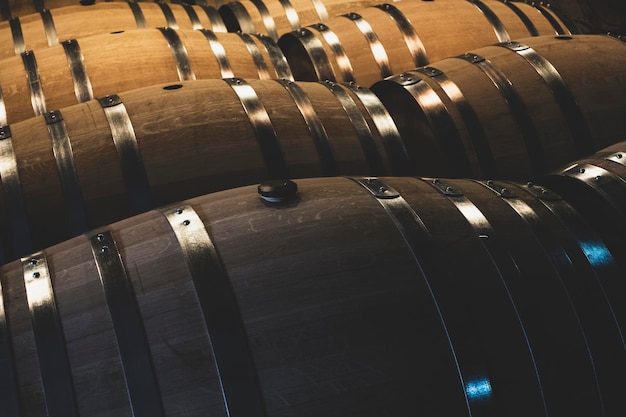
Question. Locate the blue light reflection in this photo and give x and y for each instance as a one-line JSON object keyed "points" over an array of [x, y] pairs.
{"points": [[596, 253], [479, 389]]}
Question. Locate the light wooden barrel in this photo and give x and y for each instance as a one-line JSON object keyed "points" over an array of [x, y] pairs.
{"points": [[49, 27], [511, 109], [97, 162], [379, 41], [79, 70], [277, 17], [353, 298], [16, 8], [596, 187]]}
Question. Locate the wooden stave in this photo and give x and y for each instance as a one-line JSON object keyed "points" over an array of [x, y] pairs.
{"points": [[116, 16], [109, 72], [15, 8], [241, 250], [598, 197], [554, 141], [188, 141], [425, 17], [246, 15]]}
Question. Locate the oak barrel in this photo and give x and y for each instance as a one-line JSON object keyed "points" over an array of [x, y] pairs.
{"points": [[376, 42], [97, 162], [277, 17], [511, 110], [596, 186], [79, 70], [351, 297], [49, 27], [16, 8]]}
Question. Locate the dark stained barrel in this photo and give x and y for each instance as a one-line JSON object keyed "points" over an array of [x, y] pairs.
{"points": [[596, 186], [50, 27], [595, 16], [350, 297], [76, 71], [97, 162], [512, 108], [376, 42]]}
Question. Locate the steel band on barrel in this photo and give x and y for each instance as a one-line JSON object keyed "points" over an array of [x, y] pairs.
{"points": [[279, 62], [170, 20], [50, 29], [56, 374], [220, 53], [575, 120], [498, 27], [140, 19], [413, 42], [233, 359], [532, 30], [315, 126], [132, 344], [256, 55], [9, 394], [548, 16], [268, 20], [480, 144], [179, 53], [76, 62], [193, 16], [263, 128], [376, 46], [362, 129], [320, 9], [516, 105], [37, 98], [390, 136], [64, 157], [292, 15], [13, 194], [418, 240], [217, 23], [439, 118], [315, 49], [343, 62], [18, 35], [131, 164]]}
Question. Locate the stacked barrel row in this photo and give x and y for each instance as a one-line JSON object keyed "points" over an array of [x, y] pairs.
{"points": [[140, 279]]}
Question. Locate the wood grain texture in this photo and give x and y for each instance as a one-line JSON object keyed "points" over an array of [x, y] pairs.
{"points": [[305, 11], [18, 8], [146, 60], [445, 28], [342, 318], [599, 99], [70, 22], [192, 140]]}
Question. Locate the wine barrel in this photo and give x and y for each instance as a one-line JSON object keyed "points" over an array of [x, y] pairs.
{"points": [[15, 8], [100, 161], [596, 187], [513, 108], [350, 297], [386, 39], [79, 70], [51, 26], [277, 17]]}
